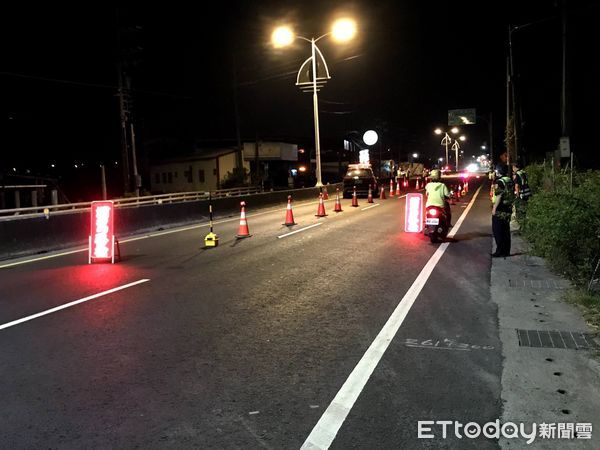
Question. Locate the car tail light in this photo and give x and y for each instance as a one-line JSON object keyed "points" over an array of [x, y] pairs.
{"points": [[433, 212]]}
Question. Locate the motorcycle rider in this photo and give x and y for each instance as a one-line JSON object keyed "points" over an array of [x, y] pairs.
{"points": [[438, 194]]}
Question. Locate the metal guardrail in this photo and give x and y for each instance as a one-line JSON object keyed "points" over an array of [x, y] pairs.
{"points": [[130, 202]]}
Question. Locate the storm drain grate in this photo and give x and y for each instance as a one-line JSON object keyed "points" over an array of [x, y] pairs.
{"points": [[556, 339], [538, 284]]}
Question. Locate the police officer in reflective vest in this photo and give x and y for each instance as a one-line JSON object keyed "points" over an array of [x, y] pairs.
{"points": [[522, 190], [502, 200]]}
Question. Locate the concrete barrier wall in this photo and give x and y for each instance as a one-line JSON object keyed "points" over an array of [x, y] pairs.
{"points": [[21, 237]]}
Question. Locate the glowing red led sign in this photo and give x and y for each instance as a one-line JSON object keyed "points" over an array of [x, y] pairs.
{"points": [[102, 238], [413, 221]]}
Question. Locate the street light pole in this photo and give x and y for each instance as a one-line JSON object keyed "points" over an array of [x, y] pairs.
{"points": [[316, 113]]}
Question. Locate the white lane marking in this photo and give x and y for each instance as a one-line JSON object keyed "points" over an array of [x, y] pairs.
{"points": [[301, 229], [151, 235], [55, 255], [326, 429], [402, 196], [372, 206], [73, 303]]}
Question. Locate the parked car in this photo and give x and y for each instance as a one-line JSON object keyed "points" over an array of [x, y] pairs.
{"points": [[360, 176]]}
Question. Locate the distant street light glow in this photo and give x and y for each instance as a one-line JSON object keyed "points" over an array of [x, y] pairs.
{"points": [[455, 130], [370, 137], [282, 37], [463, 138], [438, 131], [343, 30], [415, 155], [301, 169]]}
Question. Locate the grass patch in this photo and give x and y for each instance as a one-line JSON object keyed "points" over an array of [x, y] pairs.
{"points": [[589, 304]]}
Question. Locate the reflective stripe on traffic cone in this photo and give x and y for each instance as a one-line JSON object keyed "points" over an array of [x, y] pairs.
{"points": [[392, 193], [370, 196], [354, 198], [338, 205], [325, 193], [382, 194], [321, 209], [289, 214], [243, 231]]}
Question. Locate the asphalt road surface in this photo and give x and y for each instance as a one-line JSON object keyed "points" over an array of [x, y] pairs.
{"points": [[248, 344]]}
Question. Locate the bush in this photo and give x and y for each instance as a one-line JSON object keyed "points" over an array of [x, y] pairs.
{"points": [[564, 227]]}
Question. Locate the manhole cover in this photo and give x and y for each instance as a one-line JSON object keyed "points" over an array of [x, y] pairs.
{"points": [[538, 284], [574, 340]]}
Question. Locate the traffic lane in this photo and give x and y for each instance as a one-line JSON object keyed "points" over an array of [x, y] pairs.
{"points": [[192, 357], [49, 283], [78, 255], [31, 288], [445, 362]]}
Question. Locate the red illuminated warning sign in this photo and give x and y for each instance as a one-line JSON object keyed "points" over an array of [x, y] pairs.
{"points": [[102, 237], [413, 221]]}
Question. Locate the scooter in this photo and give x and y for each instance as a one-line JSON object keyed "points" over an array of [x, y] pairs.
{"points": [[436, 224]]}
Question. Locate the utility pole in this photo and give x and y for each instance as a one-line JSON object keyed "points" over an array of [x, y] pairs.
{"points": [[239, 153], [512, 86], [563, 97], [103, 175]]}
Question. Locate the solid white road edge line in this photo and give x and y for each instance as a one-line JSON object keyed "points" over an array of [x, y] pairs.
{"points": [[73, 303], [326, 429], [301, 229]]}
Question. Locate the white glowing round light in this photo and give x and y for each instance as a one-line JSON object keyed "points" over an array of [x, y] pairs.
{"points": [[343, 30], [370, 137], [282, 37]]}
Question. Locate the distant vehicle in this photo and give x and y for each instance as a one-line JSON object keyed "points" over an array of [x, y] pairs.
{"points": [[361, 176]]}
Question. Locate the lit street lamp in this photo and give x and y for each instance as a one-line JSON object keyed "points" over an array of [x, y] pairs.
{"points": [[447, 139], [342, 30]]}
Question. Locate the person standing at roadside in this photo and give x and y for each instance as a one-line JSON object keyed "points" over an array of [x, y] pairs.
{"points": [[502, 200], [522, 190]]}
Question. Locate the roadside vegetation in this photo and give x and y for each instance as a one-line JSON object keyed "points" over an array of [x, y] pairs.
{"points": [[562, 223]]}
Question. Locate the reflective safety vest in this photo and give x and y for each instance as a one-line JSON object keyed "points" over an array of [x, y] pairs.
{"points": [[524, 190], [504, 187]]}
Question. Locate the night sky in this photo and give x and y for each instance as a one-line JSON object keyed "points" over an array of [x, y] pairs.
{"points": [[411, 62]]}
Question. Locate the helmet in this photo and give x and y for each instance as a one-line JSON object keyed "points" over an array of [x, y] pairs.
{"points": [[435, 174]]}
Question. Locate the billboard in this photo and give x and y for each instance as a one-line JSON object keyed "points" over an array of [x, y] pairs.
{"points": [[458, 117]]}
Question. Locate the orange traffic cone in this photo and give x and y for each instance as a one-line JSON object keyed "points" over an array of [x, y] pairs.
{"points": [[382, 194], [289, 214], [466, 186], [370, 196], [321, 209], [392, 193], [354, 198], [338, 205], [243, 231], [325, 193], [405, 182], [418, 185], [398, 187]]}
